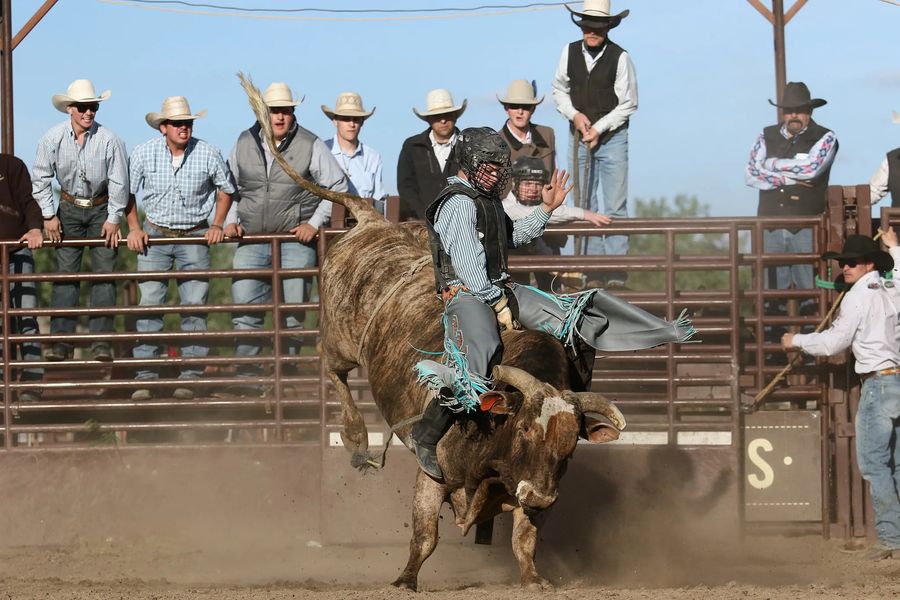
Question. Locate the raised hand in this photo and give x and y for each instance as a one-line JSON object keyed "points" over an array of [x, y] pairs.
{"points": [[555, 192]]}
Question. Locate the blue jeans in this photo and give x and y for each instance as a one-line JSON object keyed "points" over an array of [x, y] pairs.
{"points": [[608, 175], [24, 295], [878, 453], [294, 255], [83, 223], [783, 241], [162, 257]]}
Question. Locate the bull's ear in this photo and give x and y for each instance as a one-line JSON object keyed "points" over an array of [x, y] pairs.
{"points": [[500, 403], [597, 429]]}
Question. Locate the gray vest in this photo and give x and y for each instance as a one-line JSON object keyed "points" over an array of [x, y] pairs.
{"points": [[272, 202]]}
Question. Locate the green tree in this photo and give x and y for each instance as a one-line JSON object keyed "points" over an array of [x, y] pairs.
{"points": [[688, 244]]}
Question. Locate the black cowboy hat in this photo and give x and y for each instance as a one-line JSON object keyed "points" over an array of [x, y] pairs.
{"points": [[596, 14], [862, 247], [796, 95]]}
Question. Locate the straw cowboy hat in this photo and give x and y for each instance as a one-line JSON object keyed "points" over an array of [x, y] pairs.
{"points": [[278, 94], [174, 108], [348, 104], [796, 95], [862, 247], [520, 91], [80, 90], [596, 12], [439, 102]]}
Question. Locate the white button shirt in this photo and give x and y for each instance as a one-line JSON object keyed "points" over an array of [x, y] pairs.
{"points": [[868, 324]]}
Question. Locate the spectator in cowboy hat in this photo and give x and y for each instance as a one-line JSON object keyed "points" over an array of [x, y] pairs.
{"points": [[185, 180], [868, 324], [595, 88], [524, 137], [361, 164], [886, 179], [790, 164], [269, 201], [89, 163], [427, 159]]}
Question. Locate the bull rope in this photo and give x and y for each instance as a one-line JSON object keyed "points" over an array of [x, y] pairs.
{"points": [[410, 273]]}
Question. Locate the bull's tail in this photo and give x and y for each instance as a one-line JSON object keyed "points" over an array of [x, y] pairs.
{"points": [[359, 208]]}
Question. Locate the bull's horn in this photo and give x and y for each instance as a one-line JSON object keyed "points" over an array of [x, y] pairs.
{"points": [[592, 402], [523, 381]]}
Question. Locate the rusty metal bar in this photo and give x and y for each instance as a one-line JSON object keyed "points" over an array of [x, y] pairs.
{"points": [[762, 9], [778, 21], [39, 14], [6, 78], [7, 346], [277, 342], [793, 10]]}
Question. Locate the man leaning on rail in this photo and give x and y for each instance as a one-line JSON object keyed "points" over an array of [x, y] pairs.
{"points": [[89, 163], [269, 201], [184, 180], [21, 220]]}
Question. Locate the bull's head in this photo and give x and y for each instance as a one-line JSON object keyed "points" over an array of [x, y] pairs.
{"points": [[541, 428]]}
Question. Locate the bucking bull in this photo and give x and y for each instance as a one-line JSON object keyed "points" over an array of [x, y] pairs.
{"points": [[379, 311]]}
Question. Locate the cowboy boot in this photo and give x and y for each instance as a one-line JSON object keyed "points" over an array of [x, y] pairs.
{"points": [[426, 434]]}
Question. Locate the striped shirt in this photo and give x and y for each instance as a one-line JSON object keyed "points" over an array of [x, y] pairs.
{"points": [[456, 226], [182, 197], [99, 166]]}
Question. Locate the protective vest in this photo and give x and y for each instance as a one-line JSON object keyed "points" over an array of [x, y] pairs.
{"points": [[593, 94], [271, 201], [792, 200], [490, 221], [893, 158]]}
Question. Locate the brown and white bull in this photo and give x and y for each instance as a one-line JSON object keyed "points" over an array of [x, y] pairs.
{"points": [[379, 311]]}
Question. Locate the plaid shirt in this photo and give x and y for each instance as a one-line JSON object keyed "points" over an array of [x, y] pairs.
{"points": [[98, 167], [183, 197]]}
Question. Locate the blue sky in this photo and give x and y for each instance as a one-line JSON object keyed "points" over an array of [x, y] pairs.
{"points": [[705, 71]]}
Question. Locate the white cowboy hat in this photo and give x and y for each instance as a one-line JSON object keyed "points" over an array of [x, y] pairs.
{"points": [[279, 94], [80, 90], [895, 117], [597, 11], [439, 102], [348, 104], [174, 108], [520, 91]]}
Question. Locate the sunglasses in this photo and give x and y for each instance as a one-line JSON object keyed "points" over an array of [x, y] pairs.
{"points": [[519, 106], [181, 123], [849, 262], [281, 110], [84, 107]]}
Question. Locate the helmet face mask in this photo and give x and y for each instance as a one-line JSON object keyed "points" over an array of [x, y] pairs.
{"points": [[531, 172], [484, 158]]}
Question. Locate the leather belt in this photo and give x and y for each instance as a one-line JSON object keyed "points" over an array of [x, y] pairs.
{"points": [[168, 232], [891, 371], [81, 202]]}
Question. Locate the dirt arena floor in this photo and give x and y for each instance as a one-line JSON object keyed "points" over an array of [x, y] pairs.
{"points": [[765, 568], [137, 526]]}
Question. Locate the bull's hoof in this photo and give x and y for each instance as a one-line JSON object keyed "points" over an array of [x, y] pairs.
{"points": [[405, 584], [537, 584]]}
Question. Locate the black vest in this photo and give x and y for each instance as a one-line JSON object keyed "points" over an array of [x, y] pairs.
{"points": [[893, 159], [491, 222], [593, 94], [792, 200]]}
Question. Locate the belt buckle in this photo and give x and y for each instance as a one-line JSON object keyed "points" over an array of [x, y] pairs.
{"points": [[83, 202]]}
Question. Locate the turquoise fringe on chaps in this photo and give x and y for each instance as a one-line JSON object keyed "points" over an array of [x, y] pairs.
{"points": [[472, 341]]}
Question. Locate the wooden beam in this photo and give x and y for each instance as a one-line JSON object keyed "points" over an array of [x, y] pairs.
{"points": [[32, 22], [759, 6], [793, 11]]}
